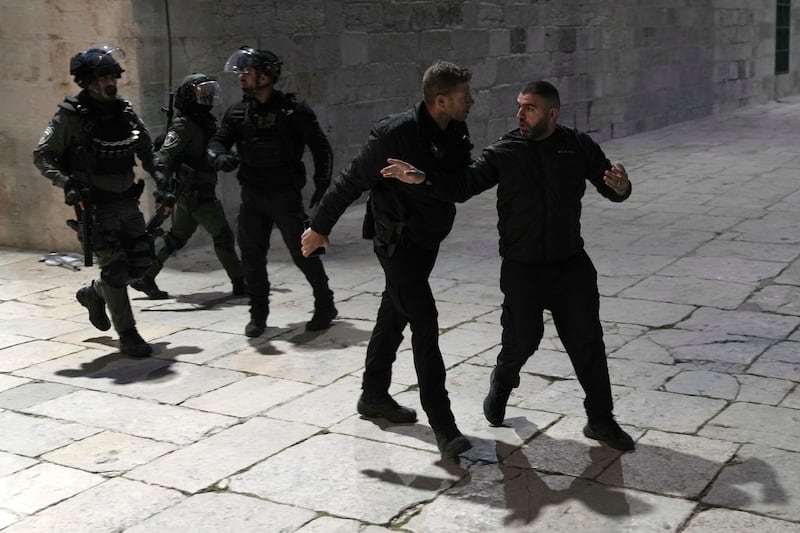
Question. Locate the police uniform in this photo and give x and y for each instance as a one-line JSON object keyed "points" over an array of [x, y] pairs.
{"points": [[92, 143], [270, 139], [185, 144]]}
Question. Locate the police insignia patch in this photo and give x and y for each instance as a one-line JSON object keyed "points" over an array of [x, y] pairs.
{"points": [[170, 139], [48, 132]]}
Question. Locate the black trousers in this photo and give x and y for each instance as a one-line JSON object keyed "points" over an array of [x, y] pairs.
{"points": [[407, 299], [259, 212], [569, 291]]}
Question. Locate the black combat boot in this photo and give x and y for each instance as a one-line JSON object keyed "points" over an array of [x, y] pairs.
{"points": [[384, 406], [494, 405], [451, 442], [239, 287], [88, 297], [607, 430], [148, 286], [258, 321], [132, 344]]}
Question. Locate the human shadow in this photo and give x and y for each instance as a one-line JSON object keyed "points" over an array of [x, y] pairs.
{"points": [[544, 472], [124, 370]]}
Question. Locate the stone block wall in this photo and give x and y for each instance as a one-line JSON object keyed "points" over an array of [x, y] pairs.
{"points": [[622, 67]]}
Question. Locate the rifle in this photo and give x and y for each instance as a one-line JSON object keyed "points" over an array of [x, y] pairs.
{"points": [[177, 186], [84, 213]]}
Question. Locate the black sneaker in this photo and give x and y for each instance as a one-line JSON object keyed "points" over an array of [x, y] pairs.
{"points": [[494, 405], [239, 287], [452, 443], [96, 306], [608, 431], [322, 319], [149, 287], [385, 407], [255, 328], [133, 345]]}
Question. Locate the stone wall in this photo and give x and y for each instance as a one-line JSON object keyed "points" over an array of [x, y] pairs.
{"points": [[622, 67]]}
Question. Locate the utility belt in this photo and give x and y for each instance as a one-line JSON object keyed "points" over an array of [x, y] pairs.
{"points": [[104, 197]]}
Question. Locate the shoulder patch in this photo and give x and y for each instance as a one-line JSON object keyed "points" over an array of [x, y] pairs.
{"points": [[48, 132], [171, 139]]}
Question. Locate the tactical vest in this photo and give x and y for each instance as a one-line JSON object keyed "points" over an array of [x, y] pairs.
{"points": [[265, 140], [108, 138]]}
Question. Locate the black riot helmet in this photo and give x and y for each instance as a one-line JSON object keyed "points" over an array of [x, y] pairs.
{"points": [[97, 60], [261, 60], [197, 91]]}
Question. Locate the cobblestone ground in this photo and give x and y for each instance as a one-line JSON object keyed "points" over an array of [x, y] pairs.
{"points": [[700, 284]]}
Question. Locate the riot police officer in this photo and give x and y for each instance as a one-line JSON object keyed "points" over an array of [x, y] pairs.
{"points": [[88, 150], [271, 130], [182, 157]]}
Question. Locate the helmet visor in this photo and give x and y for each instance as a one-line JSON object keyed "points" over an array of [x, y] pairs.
{"points": [[240, 61], [207, 92]]}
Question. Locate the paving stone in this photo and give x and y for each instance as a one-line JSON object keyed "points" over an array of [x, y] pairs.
{"points": [[9, 383], [782, 360], [755, 389], [669, 463], [324, 406], [470, 339], [157, 379], [643, 349], [666, 411], [639, 374], [778, 299], [142, 418], [757, 424], [765, 325], [759, 479], [710, 345], [30, 353], [563, 448], [10, 463], [207, 345], [781, 253], [564, 397], [32, 436], [10, 339], [709, 521], [213, 512], [643, 312], [413, 475], [792, 400], [499, 497], [111, 506], [704, 383], [732, 269], [200, 465], [329, 524], [790, 276], [42, 485], [109, 452], [321, 367], [686, 289], [28, 394], [248, 396]]}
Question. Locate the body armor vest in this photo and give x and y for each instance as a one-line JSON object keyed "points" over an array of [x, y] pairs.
{"points": [[108, 139], [265, 142]]}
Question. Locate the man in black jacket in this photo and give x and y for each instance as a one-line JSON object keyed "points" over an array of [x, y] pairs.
{"points": [[540, 170], [406, 226], [271, 130]]}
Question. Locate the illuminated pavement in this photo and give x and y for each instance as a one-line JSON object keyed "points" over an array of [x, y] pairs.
{"points": [[700, 282]]}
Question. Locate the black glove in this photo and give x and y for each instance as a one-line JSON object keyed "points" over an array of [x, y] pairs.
{"points": [[226, 162], [72, 192], [322, 186], [164, 197]]}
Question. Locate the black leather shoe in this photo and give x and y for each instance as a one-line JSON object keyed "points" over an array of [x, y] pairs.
{"points": [[452, 443], [608, 431], [255, 328], [96, 306], [149, 287], [133, 345], [494, 405], [322, 319], [385, 407]]}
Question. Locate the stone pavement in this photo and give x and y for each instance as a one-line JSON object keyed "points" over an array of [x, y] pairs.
{"points": [[700, 282]]}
